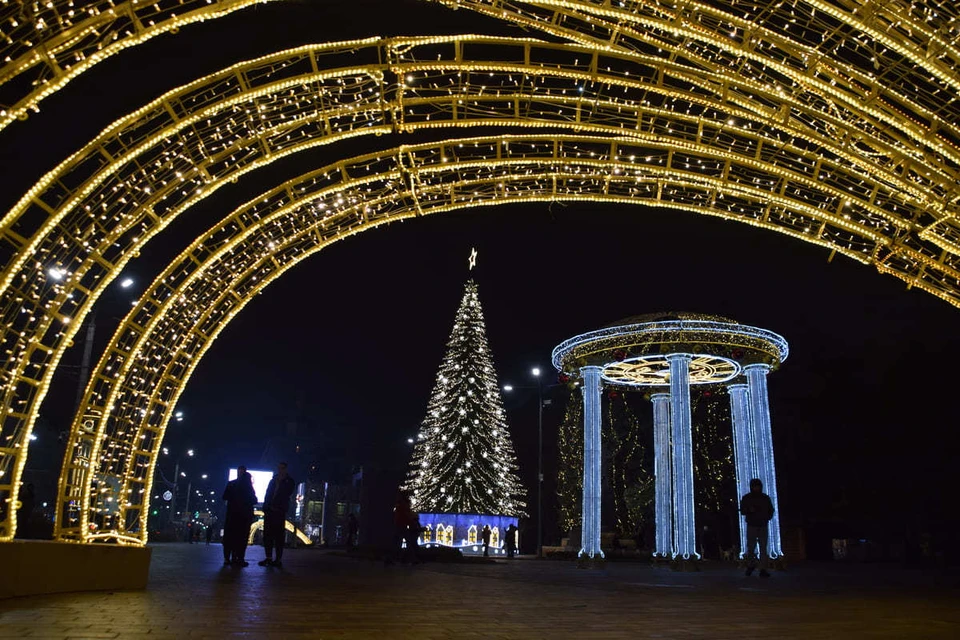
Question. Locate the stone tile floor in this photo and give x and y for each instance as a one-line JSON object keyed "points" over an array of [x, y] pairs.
{"points": [[322, 595]]}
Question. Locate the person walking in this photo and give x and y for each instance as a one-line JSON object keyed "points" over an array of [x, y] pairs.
{"points": [[209, 533], [511, 541], [757, 508], [485, 535], [412, 533], [275, 505], [401, 523], [240, 498], [352, 527]]}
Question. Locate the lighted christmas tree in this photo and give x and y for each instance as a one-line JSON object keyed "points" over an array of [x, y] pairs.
{"points": [[463, 459]]}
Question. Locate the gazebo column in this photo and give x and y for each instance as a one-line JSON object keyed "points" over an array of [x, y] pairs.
{"points": [[590, 530], [685, 532], [763, 439], [744, 449], [662, 472]]}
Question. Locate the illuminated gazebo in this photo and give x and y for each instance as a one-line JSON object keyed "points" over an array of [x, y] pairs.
{"points": [[672, 352]]}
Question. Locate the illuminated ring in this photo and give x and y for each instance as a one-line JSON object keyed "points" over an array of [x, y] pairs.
{"points": [[654, 370], [647, 342]]}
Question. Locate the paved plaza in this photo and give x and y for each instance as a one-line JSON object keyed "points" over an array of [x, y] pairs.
{"points": [[325, 595]]}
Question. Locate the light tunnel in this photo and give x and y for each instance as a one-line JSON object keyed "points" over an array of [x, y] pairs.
{"points": [[644, 102]]}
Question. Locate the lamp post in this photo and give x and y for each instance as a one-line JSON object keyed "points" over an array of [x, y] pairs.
{"points": [[536, 374], [177, 474], [126, 283]]}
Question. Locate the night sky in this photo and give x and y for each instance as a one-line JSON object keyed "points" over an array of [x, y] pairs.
{"points": [[349, 342]]}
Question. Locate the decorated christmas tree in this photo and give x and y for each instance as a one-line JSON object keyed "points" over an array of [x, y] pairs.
{"points": [[463, 460]]}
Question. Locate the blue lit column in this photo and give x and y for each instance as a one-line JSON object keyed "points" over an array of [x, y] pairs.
{"points": [[590, 536], [744, 450], [763, 439], [685, 533], [662, 474]]}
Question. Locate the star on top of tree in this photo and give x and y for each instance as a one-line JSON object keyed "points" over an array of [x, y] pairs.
{"points": [[473, 258]]}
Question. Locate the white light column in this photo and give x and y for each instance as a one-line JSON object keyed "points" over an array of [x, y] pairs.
{"points": [[590, 530], [744, 450], [685, 532], [763, 439], [662, 473]]}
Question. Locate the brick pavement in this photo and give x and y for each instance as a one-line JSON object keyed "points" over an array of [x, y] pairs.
{"points": [[320, 595]]}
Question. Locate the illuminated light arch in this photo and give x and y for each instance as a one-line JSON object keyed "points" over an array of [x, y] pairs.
{"points": [[149, 167], [55, 41], [257, 525], [138, 381], [793, 33], [898, 163]]}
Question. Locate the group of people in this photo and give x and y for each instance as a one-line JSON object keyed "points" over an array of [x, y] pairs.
{"points": [[241, 500]]}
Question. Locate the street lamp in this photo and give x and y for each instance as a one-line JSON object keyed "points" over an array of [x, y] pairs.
{"points": [[508, 387]]}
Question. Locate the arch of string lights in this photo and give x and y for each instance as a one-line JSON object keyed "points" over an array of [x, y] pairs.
{"points": [[834, 127]]}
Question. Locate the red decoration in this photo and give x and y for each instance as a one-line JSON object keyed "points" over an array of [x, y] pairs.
{"points": [[620, 354], [563, 378], [612, 395]]}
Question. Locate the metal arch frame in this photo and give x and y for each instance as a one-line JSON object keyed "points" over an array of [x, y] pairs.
{"points": [[170, 325], [118, 144], [636, 25], [48, 39], [51, 48], [906, 241]]}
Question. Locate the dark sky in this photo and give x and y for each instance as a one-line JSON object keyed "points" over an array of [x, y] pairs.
{"points": [[349, 342]]}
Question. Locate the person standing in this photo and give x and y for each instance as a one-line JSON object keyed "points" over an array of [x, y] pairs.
{"points": [[209, 533], [485, 535], [402, 511], [352, 527], [757, 508], [511, 541], [275, 505], [240, 498]]}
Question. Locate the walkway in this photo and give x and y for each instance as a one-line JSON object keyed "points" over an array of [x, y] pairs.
{"points": [[319, 595]]}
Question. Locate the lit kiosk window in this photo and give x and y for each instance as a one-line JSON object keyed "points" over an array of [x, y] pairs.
{"points": [[667, 354]]}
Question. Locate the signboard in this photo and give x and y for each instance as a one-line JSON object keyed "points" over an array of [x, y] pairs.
{"points": [[260, 481]]}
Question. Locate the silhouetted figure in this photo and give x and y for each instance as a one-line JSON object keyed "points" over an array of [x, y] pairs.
{"points": [[352, 527], [240, 498], [757, 508], [209, 534], [28, 499], [511, 541], [485, 536], [401, 523], [275, 505], [413, 532]]}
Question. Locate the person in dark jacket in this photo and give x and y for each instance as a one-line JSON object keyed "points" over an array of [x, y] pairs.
{"points": [[485, 536], [757, 508], [511, 540], [240, 498], [275, 505]]}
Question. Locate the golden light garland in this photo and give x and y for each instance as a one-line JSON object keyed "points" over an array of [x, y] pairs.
{"points": [[45, 45], [731, 108], [137, 383]]}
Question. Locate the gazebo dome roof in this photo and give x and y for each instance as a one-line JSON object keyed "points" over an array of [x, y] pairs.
{"points": [[665, 316]]}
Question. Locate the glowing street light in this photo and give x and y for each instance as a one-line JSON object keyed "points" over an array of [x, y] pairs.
{"points": [[536, 371]]}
